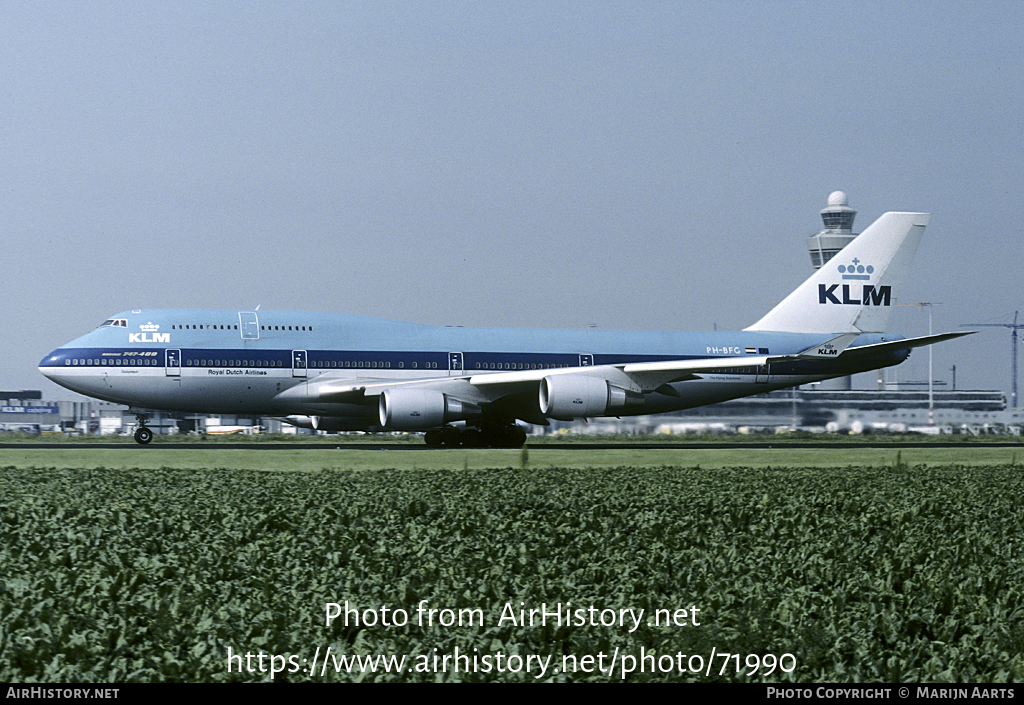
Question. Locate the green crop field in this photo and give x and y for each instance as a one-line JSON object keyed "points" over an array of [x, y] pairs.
{"points": [[315, 457], [506, 566]]}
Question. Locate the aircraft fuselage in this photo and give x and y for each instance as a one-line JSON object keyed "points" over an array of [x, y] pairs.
{"points": [[340, 372], [231, 362]]}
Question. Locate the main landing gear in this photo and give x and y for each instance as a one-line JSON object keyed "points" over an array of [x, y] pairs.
{"points": [[143, 434], [488, 436]]}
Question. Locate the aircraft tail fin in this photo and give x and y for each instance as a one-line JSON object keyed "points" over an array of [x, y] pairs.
{"points": [[853, 292]]}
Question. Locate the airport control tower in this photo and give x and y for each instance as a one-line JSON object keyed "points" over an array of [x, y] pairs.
{"points": [[838, 233]]}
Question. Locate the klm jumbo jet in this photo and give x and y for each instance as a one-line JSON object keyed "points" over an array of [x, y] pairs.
{"points": [[470, 386]]}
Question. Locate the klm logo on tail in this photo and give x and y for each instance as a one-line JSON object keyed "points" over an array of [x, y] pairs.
{"points": [[870, 295]]}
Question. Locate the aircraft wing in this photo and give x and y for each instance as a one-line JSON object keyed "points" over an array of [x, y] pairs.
{"points": [[486, 387], [639, 377], [555, 393]]}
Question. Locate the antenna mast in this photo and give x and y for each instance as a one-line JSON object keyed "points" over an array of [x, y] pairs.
{"points": [[1014, 327], [931, 395]]}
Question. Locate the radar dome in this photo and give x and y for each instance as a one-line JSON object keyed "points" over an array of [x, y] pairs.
{"points": [[837, 198]]}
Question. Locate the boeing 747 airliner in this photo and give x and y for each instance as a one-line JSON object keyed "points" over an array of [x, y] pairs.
{"points": [[470, 386]]}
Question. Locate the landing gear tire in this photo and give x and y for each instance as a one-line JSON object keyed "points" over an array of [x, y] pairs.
{"points": [[506, 437], [516, 437], [143, 435], [490, 436], [472, 438], [452, 437]]}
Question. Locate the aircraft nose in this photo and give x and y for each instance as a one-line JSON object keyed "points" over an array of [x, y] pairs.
{"points": [[54, 367], [62, 367], [47, 366]]}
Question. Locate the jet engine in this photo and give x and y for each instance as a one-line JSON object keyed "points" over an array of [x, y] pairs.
{"points": [[576, 396], [413, 409]]}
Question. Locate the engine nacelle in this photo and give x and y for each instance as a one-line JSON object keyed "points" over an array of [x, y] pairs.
{"points": [[412, 409], [576, 396]]}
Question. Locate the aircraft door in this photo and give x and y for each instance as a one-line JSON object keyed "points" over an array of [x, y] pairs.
{"points": [[249, 325], [174, 363], [586, 360], [454, 364], [763, 374], [298, 363]]}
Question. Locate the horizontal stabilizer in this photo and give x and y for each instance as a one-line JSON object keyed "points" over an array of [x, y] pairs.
{"points": [[904, 344]]}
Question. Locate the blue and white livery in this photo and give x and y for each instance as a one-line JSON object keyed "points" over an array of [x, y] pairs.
{"points": [[470, 386]]}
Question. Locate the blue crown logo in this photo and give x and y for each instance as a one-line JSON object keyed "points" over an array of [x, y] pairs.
{"points": [[857, 270]]}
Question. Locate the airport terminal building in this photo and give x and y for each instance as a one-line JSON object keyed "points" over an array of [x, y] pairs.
{"points": [[816, 410]]}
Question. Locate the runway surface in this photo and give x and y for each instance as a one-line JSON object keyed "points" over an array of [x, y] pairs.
{"points": [[823, 445]]}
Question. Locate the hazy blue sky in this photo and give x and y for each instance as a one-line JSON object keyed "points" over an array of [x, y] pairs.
{"points": [[651, 165]]}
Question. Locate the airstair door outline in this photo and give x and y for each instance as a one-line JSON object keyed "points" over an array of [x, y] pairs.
{"points": [[173, 363], [454, 364], [298, 363], [249, 325]]}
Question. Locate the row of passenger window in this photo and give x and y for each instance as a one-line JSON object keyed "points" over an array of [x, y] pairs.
{"points": [[320, 364], [332, 364], [368, 364], [208, 326], [518, 366], [349, 364], [234, 363], [116, 361]]}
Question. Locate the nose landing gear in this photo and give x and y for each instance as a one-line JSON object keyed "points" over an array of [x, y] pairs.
{"points": [[143, 434]]}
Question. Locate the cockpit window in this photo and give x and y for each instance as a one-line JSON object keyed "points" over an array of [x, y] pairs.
{"points": [[119, 322]]}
